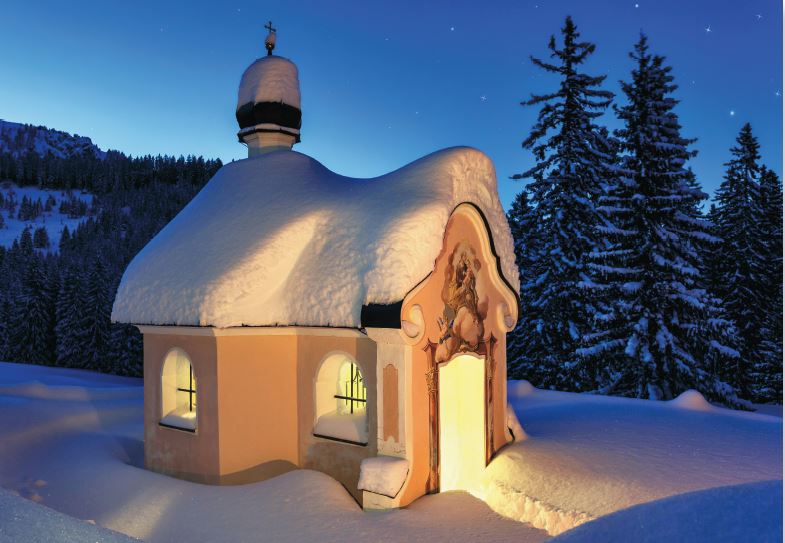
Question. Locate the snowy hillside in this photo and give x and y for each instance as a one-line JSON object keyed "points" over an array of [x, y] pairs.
{"points": [[52, 210], [18, 139], [72, 441]]}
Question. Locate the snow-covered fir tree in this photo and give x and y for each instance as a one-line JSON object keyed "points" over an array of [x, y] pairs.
{"points": [[124, 354], [767, 373], [571, 165], [741, 257], [523, 228], [70, 333], [95, 320], [32, 320], [41, 238], [664, 333]]}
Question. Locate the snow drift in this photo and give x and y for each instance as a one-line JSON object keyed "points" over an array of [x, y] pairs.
{"points": [[587, 456], [281, 240], [746, 512]]}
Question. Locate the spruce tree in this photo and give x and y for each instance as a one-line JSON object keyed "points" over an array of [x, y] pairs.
{"points": [[767, 373], [572, 162], [523, 228], [95, 321], [26, 241], [5, 327], [664, 333], [33, 317], [70, 333], [741, 259], [125, 350], [41, 238]]}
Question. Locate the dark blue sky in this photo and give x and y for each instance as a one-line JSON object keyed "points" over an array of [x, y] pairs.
{"points": [[382, 83]]}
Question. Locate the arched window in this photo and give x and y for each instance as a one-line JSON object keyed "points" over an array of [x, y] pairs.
{"points": [[178, 391], [341, 401]]}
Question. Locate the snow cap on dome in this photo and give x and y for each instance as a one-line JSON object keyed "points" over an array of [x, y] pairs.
{"points": [[270, 79], [268, 102]]}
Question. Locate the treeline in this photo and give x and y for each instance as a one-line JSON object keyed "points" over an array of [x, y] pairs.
{"points": [[627, 287], [55, 304]]}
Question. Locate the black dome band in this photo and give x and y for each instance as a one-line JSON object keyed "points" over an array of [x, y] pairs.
{"points": [[251, 114]]}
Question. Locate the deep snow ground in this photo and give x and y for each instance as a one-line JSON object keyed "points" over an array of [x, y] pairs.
{"points": [[588, 456], [727, 514], [71, 440]]}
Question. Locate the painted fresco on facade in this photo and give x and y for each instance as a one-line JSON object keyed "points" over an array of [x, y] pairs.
{"points": [[461, 324]]}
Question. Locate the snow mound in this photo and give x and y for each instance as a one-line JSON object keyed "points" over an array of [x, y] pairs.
{"points": [[746, 512], [24, 520], [514, 425], [520, 388], [42, 391], [383, 475], [281, 240], [587, 456], [270, 79], [693, 400], [512, 503]]}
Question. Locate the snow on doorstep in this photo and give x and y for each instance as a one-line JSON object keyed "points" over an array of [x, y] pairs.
{"points": [[349, 427], [281, 240], [383, 475], [270, 79]]}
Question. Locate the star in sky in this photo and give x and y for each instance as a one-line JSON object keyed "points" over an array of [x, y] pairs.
{"points": [[483, 98], [452, 29], [732, 113], [636, 6], [759, 16], [707, 29], [778, 93]]}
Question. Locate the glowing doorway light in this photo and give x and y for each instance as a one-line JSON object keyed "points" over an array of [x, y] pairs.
{"points": [[461, 423]]}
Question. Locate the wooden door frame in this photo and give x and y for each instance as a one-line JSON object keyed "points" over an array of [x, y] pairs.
{"points": [[485, 351]]}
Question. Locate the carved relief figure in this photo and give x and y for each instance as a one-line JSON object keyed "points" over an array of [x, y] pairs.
{"points": [[461, 324]]}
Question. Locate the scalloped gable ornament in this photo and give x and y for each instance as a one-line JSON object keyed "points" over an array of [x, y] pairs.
{"points": [[296, 318]]}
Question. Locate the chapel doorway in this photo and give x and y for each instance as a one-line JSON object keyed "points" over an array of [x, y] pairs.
{"points": [[461, 423]]}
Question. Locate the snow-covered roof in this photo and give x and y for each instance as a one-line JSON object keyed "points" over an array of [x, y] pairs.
{"points": [[270, 79], [281, 240]]}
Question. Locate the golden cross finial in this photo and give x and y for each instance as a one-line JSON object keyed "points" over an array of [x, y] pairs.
{"points": [[269, 42]]}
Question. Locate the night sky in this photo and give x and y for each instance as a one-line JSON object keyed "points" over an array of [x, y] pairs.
{"points": [[382, 83]]}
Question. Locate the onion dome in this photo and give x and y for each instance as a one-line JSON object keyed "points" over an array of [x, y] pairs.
{"points": [[269, 97]]}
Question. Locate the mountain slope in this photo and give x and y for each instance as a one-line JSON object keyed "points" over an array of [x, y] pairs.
{"points": [[19, 139]]}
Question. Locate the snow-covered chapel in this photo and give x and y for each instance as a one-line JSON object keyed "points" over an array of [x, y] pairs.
{"points": [[294, 317]]}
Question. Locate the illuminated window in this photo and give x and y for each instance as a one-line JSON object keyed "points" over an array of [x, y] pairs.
{"points": [[341, 401], [178, 391], [351, 389]]}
